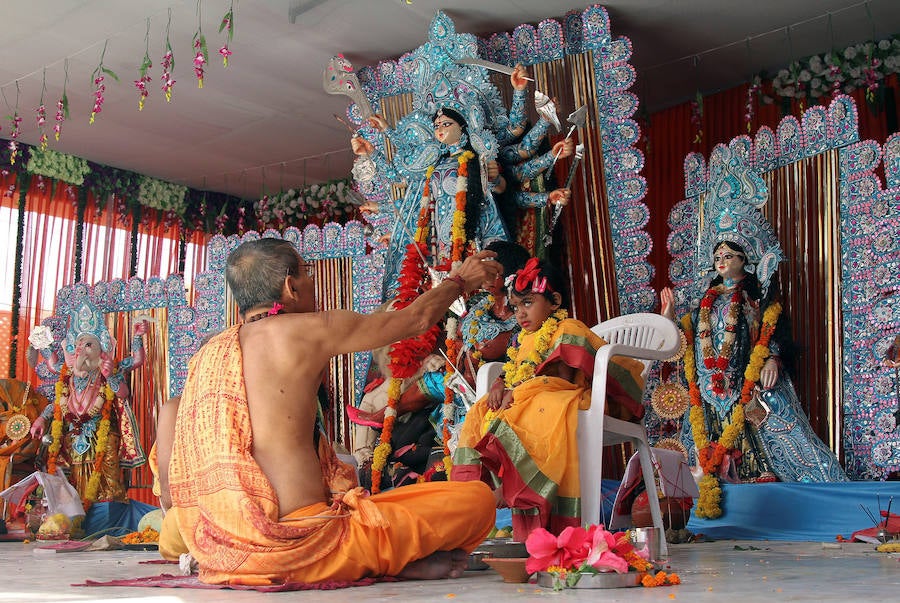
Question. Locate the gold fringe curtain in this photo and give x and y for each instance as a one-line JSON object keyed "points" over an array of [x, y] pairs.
{"points": [[334, 289], [804, 210], [149, 384]]}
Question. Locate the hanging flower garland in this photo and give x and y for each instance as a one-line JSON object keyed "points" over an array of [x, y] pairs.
{"points": [[859, 65], [162, 195], [480, 309], [519, 370], [144, 71], [201, 52], [228, 25], [101, 445], [98, 77], [62, 105], [16, 120], [42, 114], [168, 64], [711, 454], [331, 201]]}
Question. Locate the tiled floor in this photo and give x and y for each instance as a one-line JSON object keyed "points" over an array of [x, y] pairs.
{"points": [[744, 571]]}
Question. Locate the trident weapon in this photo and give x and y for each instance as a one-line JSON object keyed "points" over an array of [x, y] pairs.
{"points": [[578, 119], [557, 209], [498, 67]]}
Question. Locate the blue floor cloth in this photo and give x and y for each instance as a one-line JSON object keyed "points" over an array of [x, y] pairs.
{"points": [[115, 518], [795, 511]]}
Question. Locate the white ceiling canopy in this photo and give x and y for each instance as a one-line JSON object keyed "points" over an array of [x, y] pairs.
{"points": [[264, 123]]}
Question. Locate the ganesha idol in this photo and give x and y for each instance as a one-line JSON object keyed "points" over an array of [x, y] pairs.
{"points": [[90, 428]]}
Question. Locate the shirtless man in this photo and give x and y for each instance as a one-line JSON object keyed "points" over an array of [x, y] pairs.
{"points": [[280, 355]]}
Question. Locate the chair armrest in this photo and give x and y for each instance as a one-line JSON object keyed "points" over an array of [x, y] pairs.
{"points": [[486, 375]]}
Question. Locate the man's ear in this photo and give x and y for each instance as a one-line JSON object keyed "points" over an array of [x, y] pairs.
{"points": [[288, 290]]}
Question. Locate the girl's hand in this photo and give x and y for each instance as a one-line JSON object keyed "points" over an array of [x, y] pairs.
{"points": [[496, 394]]}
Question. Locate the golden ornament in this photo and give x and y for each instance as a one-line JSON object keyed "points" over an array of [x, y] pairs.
{"points": [[670, 400], [672, 444], [17, 427]]}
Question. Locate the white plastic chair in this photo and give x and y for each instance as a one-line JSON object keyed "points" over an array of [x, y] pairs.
{"points": [[644, 336]]}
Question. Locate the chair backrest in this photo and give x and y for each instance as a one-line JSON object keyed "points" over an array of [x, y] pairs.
{"points": [[658, 336]]}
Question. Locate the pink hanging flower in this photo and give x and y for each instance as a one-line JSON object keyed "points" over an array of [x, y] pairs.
{"points": [[168, 63], [200, 55], [13, 151], [227, 25], [42, 186], [225, 54], [41, 120], [142, 81], [98, 96], [60, 117], [16, 119]]}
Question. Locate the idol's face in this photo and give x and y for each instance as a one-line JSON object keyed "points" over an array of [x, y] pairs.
{"points": [[446, 130], [729, 262], [87, 355]]}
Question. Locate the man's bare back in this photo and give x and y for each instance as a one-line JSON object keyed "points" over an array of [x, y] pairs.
{"points": [[282, 377]]}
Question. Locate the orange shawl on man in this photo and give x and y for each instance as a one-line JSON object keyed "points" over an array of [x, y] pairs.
{"points": [[227, 510]]}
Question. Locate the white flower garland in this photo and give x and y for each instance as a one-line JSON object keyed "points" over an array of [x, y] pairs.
{"points": [[53, 164], [162, 195], [325, 200], [857, 66]]}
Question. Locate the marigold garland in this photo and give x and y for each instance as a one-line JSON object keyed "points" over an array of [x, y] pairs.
{"points": [[519, 370], [711, 454], [457, 248], [56, 432], [406, 356]]}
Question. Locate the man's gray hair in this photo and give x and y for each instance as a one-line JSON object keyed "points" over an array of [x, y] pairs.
{"points": [[256, 270]]}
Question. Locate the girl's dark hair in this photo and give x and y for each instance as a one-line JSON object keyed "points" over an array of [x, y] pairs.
{"points": [[555, 283], [511, 256], [474, 193]]}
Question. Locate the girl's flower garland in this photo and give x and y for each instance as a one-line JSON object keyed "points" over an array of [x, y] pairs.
{"points": [[56, 432], [406, 356], [519, 370], [712, 453]]}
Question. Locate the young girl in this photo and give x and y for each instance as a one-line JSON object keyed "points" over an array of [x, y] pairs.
{"points": [[521, 436]]}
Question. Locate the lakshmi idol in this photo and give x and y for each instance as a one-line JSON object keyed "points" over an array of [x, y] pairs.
{"points": [[92, 429], [745, 422]]}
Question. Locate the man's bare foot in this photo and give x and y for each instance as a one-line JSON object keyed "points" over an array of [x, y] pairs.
{"points": [[440, 564]]}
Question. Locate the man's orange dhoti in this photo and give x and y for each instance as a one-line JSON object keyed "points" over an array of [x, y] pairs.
{"points": [[227, 510]]}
